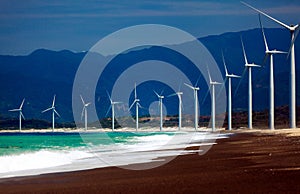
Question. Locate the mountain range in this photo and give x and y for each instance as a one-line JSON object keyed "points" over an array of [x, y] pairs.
{"points": [[43, 73]]}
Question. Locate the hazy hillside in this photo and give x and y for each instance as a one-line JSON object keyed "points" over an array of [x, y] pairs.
{"points": [[43, 73]]}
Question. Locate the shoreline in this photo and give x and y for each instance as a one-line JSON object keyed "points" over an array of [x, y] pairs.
{"points": [[75, 130], [248, 161]]}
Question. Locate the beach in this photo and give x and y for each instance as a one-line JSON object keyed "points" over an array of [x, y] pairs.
{"points": [[247, 162]]}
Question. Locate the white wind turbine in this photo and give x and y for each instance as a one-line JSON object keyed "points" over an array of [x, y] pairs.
{"points": [[84, 112], [160, 98], [112, 107], [270, 53], [229, 76], [53, 112], [179, 95], [249, 67], [137, 105], [195, 89], [294, 29], [20, 114], [213, 101]]}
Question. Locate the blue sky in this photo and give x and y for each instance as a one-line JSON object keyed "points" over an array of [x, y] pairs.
{"points": [[78, 25]]}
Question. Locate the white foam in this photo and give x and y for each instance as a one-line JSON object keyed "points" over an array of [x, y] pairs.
{"points": [[40, 159]]}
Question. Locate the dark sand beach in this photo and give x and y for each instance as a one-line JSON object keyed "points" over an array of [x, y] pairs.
{"points": [[247, 162]]}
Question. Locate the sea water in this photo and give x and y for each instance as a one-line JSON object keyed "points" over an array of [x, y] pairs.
{"points": [[24, 154]]}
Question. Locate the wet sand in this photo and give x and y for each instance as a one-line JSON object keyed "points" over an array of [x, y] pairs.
{"points": [[247, 162]]}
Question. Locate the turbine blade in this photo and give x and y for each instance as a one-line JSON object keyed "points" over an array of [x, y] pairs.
{"points": [[56, 112], [210, 81], [87, 104], [140, 106], [162, 92], [109, 97], [179, 87], [135, 94], [244, 52], [189, 86], [22, 115], [82, 100], [243, 74], [174, 94], [82, 113], [223, 58], [263, 32], [222, 87], [197, 81], [280, 52], [22, 104], [296, 33], [14, 110], [53, 103], [206, 94], [47, 110], [275, 20], [265, 60], [132, 104], [108, 110], [156, 94]]}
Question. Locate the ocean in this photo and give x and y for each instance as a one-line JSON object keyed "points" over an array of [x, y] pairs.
{"points": [[23, 154]]}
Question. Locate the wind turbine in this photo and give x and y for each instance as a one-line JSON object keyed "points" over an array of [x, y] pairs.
{"points": [[213, 101], [179, 95], [294, 29], [20, 114], [53, 112], [137, 105], [195, 89], [270, 53], [160, 98], [249, 67], [112, 106], [84, 111], [229, 76]]}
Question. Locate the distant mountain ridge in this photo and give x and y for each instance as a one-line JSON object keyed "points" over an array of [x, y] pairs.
{"points": [[43, 73]]}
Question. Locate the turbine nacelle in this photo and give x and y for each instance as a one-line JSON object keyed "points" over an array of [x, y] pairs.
{"points": [[195, 88], [158, 96], [293, 27], [251, 65], [113, 103], [233, 76], [275, 52]]}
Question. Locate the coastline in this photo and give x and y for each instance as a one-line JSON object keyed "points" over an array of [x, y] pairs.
{"points": [[76, 130], [248, 161]]}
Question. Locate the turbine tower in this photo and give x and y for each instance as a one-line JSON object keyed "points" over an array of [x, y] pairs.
{"points": [[195, 89], [84, 112], [53, 112], [112, 107], [249, 67], [213, 101], [270, 53], [160, 98], [137, 105], [294, 29], [229, 76], [20, 114], [179, 95]]}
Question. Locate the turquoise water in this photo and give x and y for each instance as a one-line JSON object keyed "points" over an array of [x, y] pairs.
{"points": [[23, 154], [18, 143]]}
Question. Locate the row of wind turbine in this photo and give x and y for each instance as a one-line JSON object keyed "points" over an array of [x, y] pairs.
{"points": [[294, 30]]}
